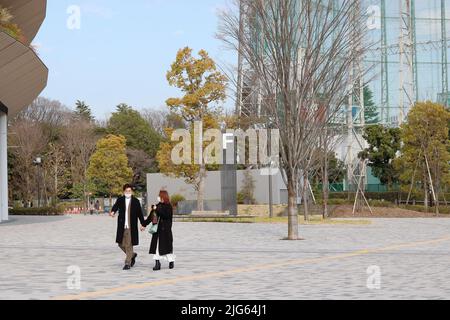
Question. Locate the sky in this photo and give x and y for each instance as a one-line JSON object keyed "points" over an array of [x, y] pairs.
{"points": [[121, 50]]}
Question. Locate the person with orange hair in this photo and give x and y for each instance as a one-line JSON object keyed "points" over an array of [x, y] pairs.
{"points": [[162, 241]]}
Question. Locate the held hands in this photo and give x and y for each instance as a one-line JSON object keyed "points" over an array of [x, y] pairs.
{"points": [[142, 228]]}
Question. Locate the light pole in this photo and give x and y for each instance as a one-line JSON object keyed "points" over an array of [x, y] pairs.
{"points": [[38, 163], [270, 191]]}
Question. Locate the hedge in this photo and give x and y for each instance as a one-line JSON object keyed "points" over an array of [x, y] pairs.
{"points": [[386, 196], [45, 211]]}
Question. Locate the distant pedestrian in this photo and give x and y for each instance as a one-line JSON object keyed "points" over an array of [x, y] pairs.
{"points": [[97, 207]]}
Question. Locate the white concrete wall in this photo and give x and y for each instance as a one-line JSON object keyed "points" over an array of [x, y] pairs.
{"points": [[3, 167], [213, 186]]}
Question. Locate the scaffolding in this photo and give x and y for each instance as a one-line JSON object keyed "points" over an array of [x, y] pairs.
{"points": [[410, 52], [409, 49], [412, 57]]}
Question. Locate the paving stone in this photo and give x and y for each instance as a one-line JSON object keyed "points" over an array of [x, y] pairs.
{"points": [[36, 252]]}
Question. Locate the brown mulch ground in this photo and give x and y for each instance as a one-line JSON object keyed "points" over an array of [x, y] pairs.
{"points": [[345, 211]]}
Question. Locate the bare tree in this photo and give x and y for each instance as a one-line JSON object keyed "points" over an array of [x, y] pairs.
{"points": [[34, 132], [160, 119], [141, 163], [79, 141], [303, 54], [44, 110], [27, 141], [55, 172], [156, 118], [329, 139], [52, 115]]}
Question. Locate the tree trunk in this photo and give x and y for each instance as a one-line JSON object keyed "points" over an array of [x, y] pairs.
{"points": [[305, 195], [292, 210], [84, 183], [437, 187], [27, 188], [85, 199], [201, 188], [56, 185], [436, 205], [325, 182], [44, 179], [436, 201], [425, 187]]}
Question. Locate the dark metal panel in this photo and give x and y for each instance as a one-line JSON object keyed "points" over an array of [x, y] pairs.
{"points": [[228, 175], [3, 108]]}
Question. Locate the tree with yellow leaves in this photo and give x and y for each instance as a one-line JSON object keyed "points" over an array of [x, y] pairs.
{"points": [[425, 157], [204, 88], [108, 166], [190, 172]]}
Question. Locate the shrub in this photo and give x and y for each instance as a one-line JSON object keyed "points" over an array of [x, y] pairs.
{"points": [[241, 198], [8, 27], [176, 198], [386, 196], [5, 16], [45, 211], [335, 202], [442, 209]]}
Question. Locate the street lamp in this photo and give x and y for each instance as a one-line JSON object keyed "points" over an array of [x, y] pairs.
{"points": [[38, 163]]}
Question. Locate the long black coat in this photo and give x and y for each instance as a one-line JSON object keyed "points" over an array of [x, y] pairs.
{"points": [[135, 214], [164, 234]]}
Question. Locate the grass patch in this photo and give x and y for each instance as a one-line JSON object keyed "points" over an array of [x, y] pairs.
{"points": [[442, 209], [315, 220], [44, 211]]}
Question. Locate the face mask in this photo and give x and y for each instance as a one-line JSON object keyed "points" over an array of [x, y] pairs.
{"points": [[158, 200], [128, 195]]}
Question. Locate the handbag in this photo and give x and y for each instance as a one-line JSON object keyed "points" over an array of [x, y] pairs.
{"points": [[153, 228]]}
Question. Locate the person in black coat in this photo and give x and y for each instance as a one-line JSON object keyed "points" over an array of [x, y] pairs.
{"points": [[162, 241], [130, 211]]}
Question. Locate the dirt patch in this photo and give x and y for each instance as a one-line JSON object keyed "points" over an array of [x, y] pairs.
{"points": [[345, 211]]}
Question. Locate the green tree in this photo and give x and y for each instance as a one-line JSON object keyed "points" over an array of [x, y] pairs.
{"points": [[371, 114], [83, 111], [139, 135], [189, 172], [108, 166], [425, 156], [247, 192], [336, 169], [204, 87], [384, 143]]}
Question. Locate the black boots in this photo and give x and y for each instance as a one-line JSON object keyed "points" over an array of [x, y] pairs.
{"points": [[133, 261], [157, 266]]}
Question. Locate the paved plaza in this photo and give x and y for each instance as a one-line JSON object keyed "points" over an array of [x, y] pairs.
{"points": [[388, 259]]}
